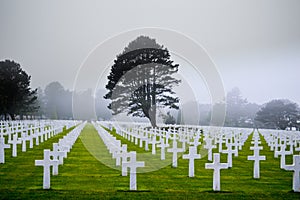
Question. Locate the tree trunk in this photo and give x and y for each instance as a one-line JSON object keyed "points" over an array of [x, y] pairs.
{"points": [[152, 111], [153, 123], [152, 116], [12, 116]]}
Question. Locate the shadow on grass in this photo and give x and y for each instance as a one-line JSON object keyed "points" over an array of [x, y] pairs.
{"points": [[134, 191], [217, 192]]}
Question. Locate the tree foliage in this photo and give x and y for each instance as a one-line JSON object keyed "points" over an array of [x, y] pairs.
{"points": [[169, 119], [239, 112], [40, 104], [55, 102], [141, 80], [102, 111], [16, 96], [58, 101], [279, 114]]}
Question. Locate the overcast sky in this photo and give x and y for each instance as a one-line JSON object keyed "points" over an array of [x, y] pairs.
{"points": [[255, 44]]}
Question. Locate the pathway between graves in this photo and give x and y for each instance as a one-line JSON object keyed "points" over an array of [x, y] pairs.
{"points": [[86, 168]]}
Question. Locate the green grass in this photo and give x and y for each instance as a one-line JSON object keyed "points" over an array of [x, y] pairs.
{"points": [[86, 175]]}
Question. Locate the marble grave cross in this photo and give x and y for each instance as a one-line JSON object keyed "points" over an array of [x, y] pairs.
{"points": [[3, 146], [192, 156], [282, 154], [15, 141], [256, 158], [133, 164], [46, 163], [296, 175], [162, 146], [216, 166], [175, 150]]}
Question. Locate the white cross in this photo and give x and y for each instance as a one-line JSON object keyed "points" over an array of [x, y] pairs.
{"points": [[36, 136], [46, 163], [3, 146], [146, 139], [118, 156], [2, 131], [256, 157], [282, 154], [135, 136], [220, 141], [23, 140], [42, 132], [209, 146], [46, 134], [173, 135], [216, 166], [196, 142], [153, 143], [30, 141], [276, 146], [192, 156], [229, 151], [57, 155], [175, 151], [238, 141], [296, 168], [63, 148], [162, 146], [133, 165], [125, 156], [256, 142], [15, 143], [291, 148], [55, 164], [141, 135], [183, 139], [168, 136], [9, 136], [114, 147]]}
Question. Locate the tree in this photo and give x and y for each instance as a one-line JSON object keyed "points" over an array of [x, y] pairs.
{"points": [[239, 112], [102, 111], [141, 80], [180, 119], [279, 114], [40, 104], [58, 101], [16, 96], [169, 119], [235, 105]]}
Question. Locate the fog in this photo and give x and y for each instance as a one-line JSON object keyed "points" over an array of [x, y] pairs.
{"points": [[255, 45]]}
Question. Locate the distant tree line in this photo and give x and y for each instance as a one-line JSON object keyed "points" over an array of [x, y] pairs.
{"points": [[276, 114], [55, 102], [19, 101], [279, 114]]}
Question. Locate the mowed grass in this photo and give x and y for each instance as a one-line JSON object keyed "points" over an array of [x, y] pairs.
{"points": [[86, 175], [18, 174]]}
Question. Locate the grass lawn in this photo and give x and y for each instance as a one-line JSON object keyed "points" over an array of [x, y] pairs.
{"points": [[86, 175]]}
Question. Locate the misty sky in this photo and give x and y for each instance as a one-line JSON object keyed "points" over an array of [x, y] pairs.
{"points": [[255, 44]]}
